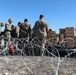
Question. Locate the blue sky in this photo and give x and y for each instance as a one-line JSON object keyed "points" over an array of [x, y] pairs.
{"points": [[58, 13]]}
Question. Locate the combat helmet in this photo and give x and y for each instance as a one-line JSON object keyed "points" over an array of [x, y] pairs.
{"points": [[10, 20], [2, 24]]}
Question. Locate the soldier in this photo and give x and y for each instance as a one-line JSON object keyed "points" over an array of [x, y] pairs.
{"points": [[26, 29], [18, 29], [40, 32], [8, 28], [1, 25], [13, 31]]}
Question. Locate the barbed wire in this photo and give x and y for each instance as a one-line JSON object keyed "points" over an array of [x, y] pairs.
{"points": [[24, 47]]}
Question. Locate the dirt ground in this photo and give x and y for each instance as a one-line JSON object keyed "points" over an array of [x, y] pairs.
{"points": [[31, 65]]}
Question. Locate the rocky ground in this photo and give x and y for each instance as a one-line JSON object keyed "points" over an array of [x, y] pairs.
{"points": [[24, 65]]}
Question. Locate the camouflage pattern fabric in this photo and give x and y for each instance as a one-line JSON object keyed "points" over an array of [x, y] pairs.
{"points": [[25, 30]]}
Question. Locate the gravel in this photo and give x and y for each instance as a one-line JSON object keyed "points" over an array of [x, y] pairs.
{"points": [[36, 65]]}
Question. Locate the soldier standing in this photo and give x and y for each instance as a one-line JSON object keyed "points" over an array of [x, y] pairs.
{"points": [[18, 29], [40, 32], [13, 35], [26, 29], [1, 25], [8, 28]]}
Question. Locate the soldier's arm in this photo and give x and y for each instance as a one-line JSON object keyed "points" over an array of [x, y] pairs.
{"points": [[47, 27], [34, 28], [29, 30]]}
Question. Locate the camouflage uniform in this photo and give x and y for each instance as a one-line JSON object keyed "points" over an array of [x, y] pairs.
{"points": [[13, 31], [25, 30], [17, 31], [1, 25], [40, 29], [40, 32], [8, 28]]}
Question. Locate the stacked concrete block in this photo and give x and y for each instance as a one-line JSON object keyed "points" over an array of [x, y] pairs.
{"points": [[75, 41], [52, 36], [62, 31], [69, 31], [54, 40], [75, 32], [57, 37], [69, 42], [51, 33], [61, 37], [67, 36]]}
